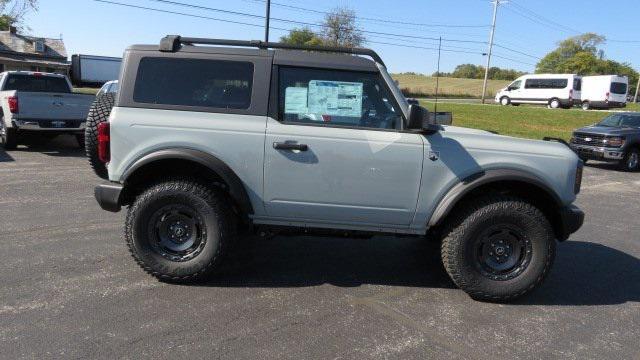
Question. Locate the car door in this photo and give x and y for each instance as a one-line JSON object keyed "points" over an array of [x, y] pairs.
{"points": [[515, 91], [336, 153]]}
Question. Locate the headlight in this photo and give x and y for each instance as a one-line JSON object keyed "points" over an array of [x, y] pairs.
{"points": [[614, 141]]}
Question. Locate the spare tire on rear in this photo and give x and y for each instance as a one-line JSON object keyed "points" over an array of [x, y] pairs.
{"points": [[98, 114]]}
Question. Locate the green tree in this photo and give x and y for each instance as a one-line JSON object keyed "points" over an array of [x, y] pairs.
{"points": [[303, 36], [582, 55], [339, 28], [577, 54], [13, 12]]}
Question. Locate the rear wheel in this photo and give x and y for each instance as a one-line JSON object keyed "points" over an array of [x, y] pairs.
{"points": [[554, 103], [586, 105], [178, 230], [631, 160], [99, 113], [8, 136], [498, 248]]}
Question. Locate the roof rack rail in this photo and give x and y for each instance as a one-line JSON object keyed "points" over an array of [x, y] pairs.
{"points": [[172, 43]]}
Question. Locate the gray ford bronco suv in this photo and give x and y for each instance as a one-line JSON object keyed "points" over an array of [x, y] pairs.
{"points": [[207, 144]]}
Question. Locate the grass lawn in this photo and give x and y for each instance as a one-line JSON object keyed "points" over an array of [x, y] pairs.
{"points": [[449, 87], [90, 91], [522, 121]]}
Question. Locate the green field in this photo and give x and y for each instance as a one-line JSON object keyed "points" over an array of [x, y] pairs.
{"points": [[522, 121], [90, 91], [424, 86]]}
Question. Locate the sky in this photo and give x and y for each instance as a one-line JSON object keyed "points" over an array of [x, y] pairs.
{"points": [[404, 33]]}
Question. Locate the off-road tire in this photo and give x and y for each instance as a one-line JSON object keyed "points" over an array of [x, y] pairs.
{"points": [[9, 139], [626, 164], [464, 229], [98, 113], [209, 205]]}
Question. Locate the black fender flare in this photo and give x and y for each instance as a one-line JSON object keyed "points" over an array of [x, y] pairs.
{"points": [[462, 188], [236, 189]]}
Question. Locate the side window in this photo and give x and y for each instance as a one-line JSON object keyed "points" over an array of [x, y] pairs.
{"points": [[546, 83], [342, 98], [194, 82], [515, 85], [577, 84]]}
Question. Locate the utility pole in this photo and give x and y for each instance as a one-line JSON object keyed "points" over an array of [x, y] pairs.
{"points": [[635, 98], [496, 3], [435, 108], [266, 21]]}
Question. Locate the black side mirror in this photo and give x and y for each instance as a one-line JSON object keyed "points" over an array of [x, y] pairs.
{"points": [[419, 119]]}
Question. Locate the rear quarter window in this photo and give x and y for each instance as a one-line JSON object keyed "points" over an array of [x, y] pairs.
{"points": [[194, 82], [619, 88]]}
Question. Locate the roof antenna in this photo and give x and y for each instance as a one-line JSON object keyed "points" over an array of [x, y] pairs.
{"points": [[435, 108]]}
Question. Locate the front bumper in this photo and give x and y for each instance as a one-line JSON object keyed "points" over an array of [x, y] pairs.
{"points": [[571, 219], [108, 196], [597, 152]]}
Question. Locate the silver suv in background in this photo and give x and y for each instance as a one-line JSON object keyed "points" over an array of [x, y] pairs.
{"points": [[205, 145], [110, 87]]}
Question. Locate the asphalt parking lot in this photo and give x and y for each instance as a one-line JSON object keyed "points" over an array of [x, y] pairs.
{"points": [[71, 290]]}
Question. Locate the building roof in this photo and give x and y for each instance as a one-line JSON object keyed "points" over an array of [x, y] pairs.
{"points": [[11, 42]]}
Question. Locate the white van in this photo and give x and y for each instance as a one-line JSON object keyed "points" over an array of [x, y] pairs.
{"points": [[604, 91], [553, 90]]}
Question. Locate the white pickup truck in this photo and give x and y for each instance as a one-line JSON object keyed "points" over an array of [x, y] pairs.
{"points": [[40, 102]]}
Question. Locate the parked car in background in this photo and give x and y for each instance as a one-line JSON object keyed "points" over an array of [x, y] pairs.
{"points": [[110, 87], [40, 102], [614, 139], [604, 91], [553, 90], [205, 143]]}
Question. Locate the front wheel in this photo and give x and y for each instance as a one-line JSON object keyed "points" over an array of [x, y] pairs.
{"points": [[498, 248], [586, 105], [504, 101], [631, 160], [178, 230]]}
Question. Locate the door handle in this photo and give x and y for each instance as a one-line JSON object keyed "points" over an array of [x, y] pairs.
{"points": [[290, 146]]}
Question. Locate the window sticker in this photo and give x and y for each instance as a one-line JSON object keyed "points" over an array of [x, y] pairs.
{"points": [[335, 98], [295, 100]]}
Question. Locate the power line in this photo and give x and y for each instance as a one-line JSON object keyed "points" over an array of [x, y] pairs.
{"points": [[386, 21], [542, 18], [377, 33], [451, 48]]}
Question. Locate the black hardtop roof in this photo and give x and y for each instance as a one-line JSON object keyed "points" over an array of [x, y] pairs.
{"points": [[282, 54]]}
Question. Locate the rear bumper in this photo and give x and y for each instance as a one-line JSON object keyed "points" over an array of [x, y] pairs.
{"points": [[598, 153], [49, 125], [108, 196], [571, 219], [607, 104]]}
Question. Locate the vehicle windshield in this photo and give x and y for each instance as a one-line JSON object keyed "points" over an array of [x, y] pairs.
{"points": [[36, 83], [621, 120]]}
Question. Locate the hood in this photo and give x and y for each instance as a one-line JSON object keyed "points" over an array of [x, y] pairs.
{"points": [[488, 141], [463, 130], [607, 130]]}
